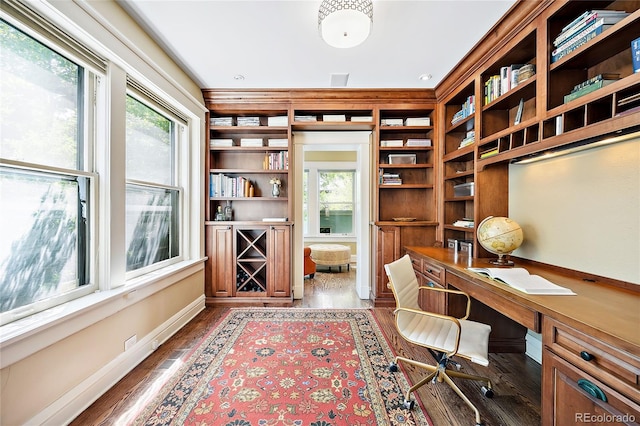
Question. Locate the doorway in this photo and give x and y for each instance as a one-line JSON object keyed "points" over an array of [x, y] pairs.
{"points": [[356, 145]]}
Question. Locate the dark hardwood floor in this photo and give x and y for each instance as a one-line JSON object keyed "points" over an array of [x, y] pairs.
{"points": [[515, 377]]}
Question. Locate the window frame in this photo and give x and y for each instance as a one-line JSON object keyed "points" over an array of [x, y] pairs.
{"points": [[90, 78], [147, 98], [311, 228]]}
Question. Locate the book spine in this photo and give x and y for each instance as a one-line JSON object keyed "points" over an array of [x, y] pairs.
{"points": [[572, 31], [635, 55], [580, 42], [575, 39], [586, 90]]}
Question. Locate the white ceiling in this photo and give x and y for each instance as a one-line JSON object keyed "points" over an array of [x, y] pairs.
{"points": [[275, 43]]}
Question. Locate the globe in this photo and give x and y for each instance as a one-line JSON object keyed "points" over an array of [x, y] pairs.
{"points": [[501, 236]]}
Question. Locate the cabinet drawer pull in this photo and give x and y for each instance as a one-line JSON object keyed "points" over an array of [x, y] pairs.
{"points": [[431, 284], [592, 389], [586, 356], [430, 271]]}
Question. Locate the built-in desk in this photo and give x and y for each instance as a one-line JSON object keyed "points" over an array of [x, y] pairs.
{"points": [[591, 341]]}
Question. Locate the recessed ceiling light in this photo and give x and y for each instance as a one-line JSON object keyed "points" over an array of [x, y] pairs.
{"points": [[238, 77], [425, 77]]}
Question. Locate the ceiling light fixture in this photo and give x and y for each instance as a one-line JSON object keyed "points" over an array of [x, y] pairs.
{"points": [[345, 23]]}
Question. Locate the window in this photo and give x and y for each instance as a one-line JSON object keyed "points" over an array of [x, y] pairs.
{"points": [[152, 198], [46, 177], [329, 204]]}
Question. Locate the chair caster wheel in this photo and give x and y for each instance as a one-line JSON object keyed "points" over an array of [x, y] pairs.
{"points": [[409, 404], [393, 367], [487, 392]]}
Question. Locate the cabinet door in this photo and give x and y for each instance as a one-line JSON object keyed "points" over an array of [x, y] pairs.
{"points": [[388, 245], [570, 396], [279, 254], [219, 270]]}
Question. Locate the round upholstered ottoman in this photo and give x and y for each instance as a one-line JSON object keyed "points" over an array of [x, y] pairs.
{"points": [[331, 255]]}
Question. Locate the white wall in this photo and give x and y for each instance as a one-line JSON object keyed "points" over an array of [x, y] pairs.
{"points": [[581, 211]]}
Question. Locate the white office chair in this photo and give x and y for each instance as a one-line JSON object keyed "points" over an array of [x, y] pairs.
{"points": [[445, 335]]}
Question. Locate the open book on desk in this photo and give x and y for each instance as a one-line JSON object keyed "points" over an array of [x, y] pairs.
{"points": [[520, 279]]}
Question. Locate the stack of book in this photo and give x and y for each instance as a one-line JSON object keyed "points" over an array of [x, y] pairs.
{"points": [[391, 122], [489, 153], [390, 179], [305, 118], [464, 223], [362, 119], [220, 142], [396, 143], [590, 85], [417, 121], [468, 139], [282, 143], [248, 121], [221, 121], [418, 142], [278, 121], [582, 29], [468, 108], [251, 142]]}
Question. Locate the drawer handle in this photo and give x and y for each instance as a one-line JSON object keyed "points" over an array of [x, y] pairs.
{"points": [[586, 356], [431, 284], [430, 271], [592, 389]]}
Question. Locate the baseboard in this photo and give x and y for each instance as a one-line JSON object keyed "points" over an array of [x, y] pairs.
{"points": [[74, 402]]}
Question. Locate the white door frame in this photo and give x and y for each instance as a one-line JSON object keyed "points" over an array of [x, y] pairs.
{"points": [[360, 142]]}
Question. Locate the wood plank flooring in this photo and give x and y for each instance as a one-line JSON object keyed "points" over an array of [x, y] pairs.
{"points": [[515, 377]]}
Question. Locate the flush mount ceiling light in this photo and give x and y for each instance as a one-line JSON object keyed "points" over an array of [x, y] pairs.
{"points": [[345, 23]]}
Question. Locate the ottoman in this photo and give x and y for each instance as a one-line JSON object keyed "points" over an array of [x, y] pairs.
{"points": [[331, 255]]}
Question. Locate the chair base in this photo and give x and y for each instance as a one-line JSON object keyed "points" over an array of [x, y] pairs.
{"points": [[440, 374]]}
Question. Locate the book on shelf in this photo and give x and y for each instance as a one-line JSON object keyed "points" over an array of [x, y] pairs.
{"points": [[221, 185], [587, 89], [278, 121], [362, 119], [248, 121], [417, 121], [274, 219], [334, 118], [221, 121], [581, 38], [280, 143], [520, 279], [391, 122], [251, 142], [276, 161], [596, 78], [391, 179], [635, 54], [489, 153], [464, 223], [518, 117], [305, 118], [418, 142], [395, 143], [220, 142], [611, 16], [468, 108]]}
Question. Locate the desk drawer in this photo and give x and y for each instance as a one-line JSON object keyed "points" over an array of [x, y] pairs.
{"points": [[416, 262], [617, 368], [433, 271]]}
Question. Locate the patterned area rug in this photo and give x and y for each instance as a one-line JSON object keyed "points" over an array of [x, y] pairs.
{"points": [[284, 366]]}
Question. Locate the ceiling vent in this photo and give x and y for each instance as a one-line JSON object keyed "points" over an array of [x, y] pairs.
{"points": [[339, 80]]}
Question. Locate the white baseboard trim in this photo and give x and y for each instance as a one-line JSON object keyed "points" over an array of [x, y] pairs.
{"points": [[70, 405]]}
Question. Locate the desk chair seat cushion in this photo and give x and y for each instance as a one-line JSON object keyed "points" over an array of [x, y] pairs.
{"points": [[440, 333]]}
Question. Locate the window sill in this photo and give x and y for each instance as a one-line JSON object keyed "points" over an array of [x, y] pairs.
{"points": [[26, 336]]}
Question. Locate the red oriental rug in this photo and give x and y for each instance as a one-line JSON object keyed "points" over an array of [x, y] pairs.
{"points": [[287, 366]]}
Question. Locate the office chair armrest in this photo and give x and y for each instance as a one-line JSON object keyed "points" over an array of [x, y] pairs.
{"points": [[448, 318], [447, 290]]}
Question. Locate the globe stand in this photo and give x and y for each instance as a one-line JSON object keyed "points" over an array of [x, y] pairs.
{"points": [[502, 261]]}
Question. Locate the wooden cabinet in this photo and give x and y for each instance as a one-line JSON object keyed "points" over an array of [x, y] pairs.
{"points": [[249, 251], [387, 250], [583, 376], [248, 263]]}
